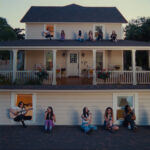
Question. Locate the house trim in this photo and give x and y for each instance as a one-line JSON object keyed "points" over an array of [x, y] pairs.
{"points": [[135, 104]]}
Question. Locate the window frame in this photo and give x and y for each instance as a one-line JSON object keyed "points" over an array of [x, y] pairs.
{"points": [[115, 103], [103, 30], [54, 29], [34, 99]]}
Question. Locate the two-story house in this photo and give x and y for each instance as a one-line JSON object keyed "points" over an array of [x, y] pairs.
{"points": [[76, 69]]}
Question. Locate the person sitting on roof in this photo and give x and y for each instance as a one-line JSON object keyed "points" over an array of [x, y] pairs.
{"points": [[90, 35], [47, 34], [80, 37], [113, 36], [62, 35], [100, 35]]}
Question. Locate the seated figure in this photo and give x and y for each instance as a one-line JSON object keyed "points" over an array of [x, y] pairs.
{"points": [[87, 120], [62, 35], [80, 37], [90, 35], [129, 118], [19, 113], [47, 34], [100, 35], [113, 36]]}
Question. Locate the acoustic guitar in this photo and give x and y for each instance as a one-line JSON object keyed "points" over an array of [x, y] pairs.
{"points": [[13, 113]]}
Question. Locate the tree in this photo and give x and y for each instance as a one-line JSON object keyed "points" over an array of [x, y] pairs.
{"points": [[138, 29], [6, 31], [19, 33]]}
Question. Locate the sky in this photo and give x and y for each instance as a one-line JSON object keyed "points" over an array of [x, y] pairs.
{"points": [[14, 10]]}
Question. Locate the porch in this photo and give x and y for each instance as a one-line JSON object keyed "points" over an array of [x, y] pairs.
{"points": [[75, 63]]}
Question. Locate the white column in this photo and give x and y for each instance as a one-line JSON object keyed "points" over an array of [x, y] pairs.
{"points": [[134, 66], [94, 66], [14, 64], [54, 67]]}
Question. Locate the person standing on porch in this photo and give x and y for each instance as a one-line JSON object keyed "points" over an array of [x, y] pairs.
{"points": [[87, 120], [62, 35], [49, 119]]}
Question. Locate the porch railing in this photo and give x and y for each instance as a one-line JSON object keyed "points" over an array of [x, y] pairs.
{"points": [[116, 77], [26, 76], [143, 77]]}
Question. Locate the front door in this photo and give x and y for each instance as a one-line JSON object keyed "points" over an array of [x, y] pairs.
{"points": [[73, 61]]}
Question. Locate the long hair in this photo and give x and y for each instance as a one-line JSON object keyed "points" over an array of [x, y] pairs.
{"points": [[21, 102], [51, 113], [106, 111], [126, 109], [85, 114]]}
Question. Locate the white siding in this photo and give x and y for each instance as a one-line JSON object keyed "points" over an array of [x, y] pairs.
{"points": [[34, 30], [68, 106], [5, 103], [144, 108]]}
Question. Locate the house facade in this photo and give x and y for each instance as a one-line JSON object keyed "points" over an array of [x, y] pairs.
{"points": [[96, 74]]}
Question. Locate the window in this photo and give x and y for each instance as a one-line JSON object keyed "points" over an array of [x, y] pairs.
{"points": [[97, 28], [50, 28], [99, 60], [73, 58], [20, 59], [28, 99], [119, 103], [49, 60]]}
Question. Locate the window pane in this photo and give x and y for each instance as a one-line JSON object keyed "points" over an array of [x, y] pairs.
{"points": [[97, 29], [125, 100], [120, 114], [49, 60], [27, 100], [73, 58], [99, 60], [20, 59], [50, 28]]}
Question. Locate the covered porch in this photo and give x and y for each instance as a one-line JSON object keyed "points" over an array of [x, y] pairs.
{"points": [[80, 63]]}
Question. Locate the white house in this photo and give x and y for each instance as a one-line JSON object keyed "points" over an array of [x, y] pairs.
{"points": [[75, 69]]}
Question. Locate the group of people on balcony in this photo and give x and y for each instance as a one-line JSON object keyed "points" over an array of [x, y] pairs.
{"points": [[113, 36], [86, 126]]}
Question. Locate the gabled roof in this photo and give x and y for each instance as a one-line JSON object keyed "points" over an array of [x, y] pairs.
{"points": [[74, 13]]}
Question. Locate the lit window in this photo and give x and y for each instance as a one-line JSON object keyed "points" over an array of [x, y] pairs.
{"points": [[50, 28]]}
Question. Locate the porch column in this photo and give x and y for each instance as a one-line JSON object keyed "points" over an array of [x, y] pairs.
{"points": [[134, 66], [94, 66], [15, 51], [54, 67]]}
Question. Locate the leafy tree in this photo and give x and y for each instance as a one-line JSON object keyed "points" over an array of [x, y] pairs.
{"points": [[6, 31], [19, 33], [138, 29]]}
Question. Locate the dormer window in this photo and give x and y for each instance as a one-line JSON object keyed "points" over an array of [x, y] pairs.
{"points": [[97, 28]]}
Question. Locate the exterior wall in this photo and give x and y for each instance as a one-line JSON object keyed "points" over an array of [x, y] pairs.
{"points": [[68, 106], [5, 103], [61, 61], [33, 57], [114, 58], [86, 61], [35, 30], [144, 108]]}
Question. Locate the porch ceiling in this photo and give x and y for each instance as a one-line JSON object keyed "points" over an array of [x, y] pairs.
{"points": [[74, 44]]}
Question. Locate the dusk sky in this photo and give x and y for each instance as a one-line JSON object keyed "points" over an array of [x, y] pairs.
{"points": [[14, 10]]}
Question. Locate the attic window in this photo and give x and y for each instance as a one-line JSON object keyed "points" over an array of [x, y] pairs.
{"points": [[50, 28]]}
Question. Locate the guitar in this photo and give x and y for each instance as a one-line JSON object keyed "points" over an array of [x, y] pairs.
{"points": [[13, 113]]}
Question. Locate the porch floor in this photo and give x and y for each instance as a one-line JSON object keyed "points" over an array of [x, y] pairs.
{"points": [[74, 81], [72, 138]]}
